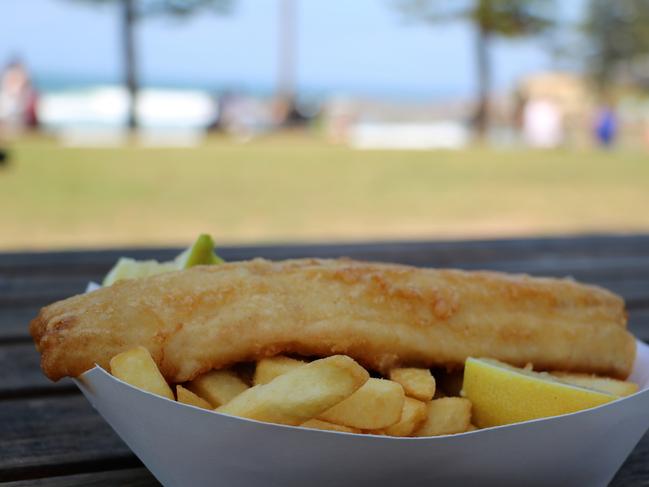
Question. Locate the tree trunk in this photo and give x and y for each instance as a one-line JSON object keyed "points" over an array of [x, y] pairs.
{"points": [[286, 88], [129, 19], [481, 117], [286, 68]]}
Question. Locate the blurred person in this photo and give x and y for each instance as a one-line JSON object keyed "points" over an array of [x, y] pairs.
{"points": [[606, 126], [32, 121], [286, 114], [11, 82], [518, 112], [15, 90], [543, 123], [4, 154], [339, 116], [645, 132], [231, 109], [216, 124]]}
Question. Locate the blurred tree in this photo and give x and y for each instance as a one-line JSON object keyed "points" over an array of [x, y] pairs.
{"points": [[491, 18], [132, 11], [288, 114], [287, 48], [618, 41]]}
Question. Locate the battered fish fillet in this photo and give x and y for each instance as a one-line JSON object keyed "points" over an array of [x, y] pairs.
{"points": [[382, 315]]}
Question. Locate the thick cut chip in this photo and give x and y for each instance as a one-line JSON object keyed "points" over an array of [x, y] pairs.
{"points": [[269, 368], [186, 396], [502, 394], [137, 367], [317, 424], [604, 384], [412, 416], [301, 394], [376, 405], [417, 383], [376, 394], [446, 416], [218, 387]]}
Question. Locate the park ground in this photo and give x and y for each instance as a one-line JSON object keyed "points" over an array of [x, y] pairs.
{"points": [[298, 188]]}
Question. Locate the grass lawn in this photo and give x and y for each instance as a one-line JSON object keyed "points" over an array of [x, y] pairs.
{"points": [[298, 189]]}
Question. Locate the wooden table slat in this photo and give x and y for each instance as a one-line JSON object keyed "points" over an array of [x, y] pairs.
{"points": [[14, 322], [41, 436], [21, 375], [639, 323], [442, 251], [635, 471], [132, 477]]}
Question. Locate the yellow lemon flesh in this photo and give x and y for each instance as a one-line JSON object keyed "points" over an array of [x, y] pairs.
{"points": [[502, 394], [200, 253], [132, 269]]}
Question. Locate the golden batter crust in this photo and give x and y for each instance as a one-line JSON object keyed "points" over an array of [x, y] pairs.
{"points": [[382, 315]]}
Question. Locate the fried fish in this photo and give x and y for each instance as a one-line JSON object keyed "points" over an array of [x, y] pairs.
{"points": [[382, 315]]}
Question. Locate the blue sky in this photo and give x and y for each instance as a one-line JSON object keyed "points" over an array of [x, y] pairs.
{"points": [[357, 46]]}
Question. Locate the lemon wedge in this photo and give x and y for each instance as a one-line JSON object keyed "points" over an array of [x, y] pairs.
{"points": [[603, 384], [502, 394], [126, 268], [200, 253]]}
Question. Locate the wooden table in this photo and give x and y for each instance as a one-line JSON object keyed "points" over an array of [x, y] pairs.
{"points": [[50, 435]]}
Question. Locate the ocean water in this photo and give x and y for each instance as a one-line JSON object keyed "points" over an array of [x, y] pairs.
{"points": [[61, 82], [86, 102]]}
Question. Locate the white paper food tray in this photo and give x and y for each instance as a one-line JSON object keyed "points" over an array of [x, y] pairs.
{"points": [[187, 446]]}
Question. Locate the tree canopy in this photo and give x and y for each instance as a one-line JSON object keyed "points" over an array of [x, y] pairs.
{"points": [[507, 18], [491, 18], [132, 11], [617, 34]]}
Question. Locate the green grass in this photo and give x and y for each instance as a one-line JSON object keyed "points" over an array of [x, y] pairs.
{"points": [[299, 189]]}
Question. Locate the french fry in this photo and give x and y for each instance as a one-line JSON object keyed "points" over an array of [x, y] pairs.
{"points": [[137, 367], [376, 405], [301, 394], [186, 396], [218, 387], [446, 416], [318, 424], [269, 368], [603, 384], [417, 383], [412, 416]]}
